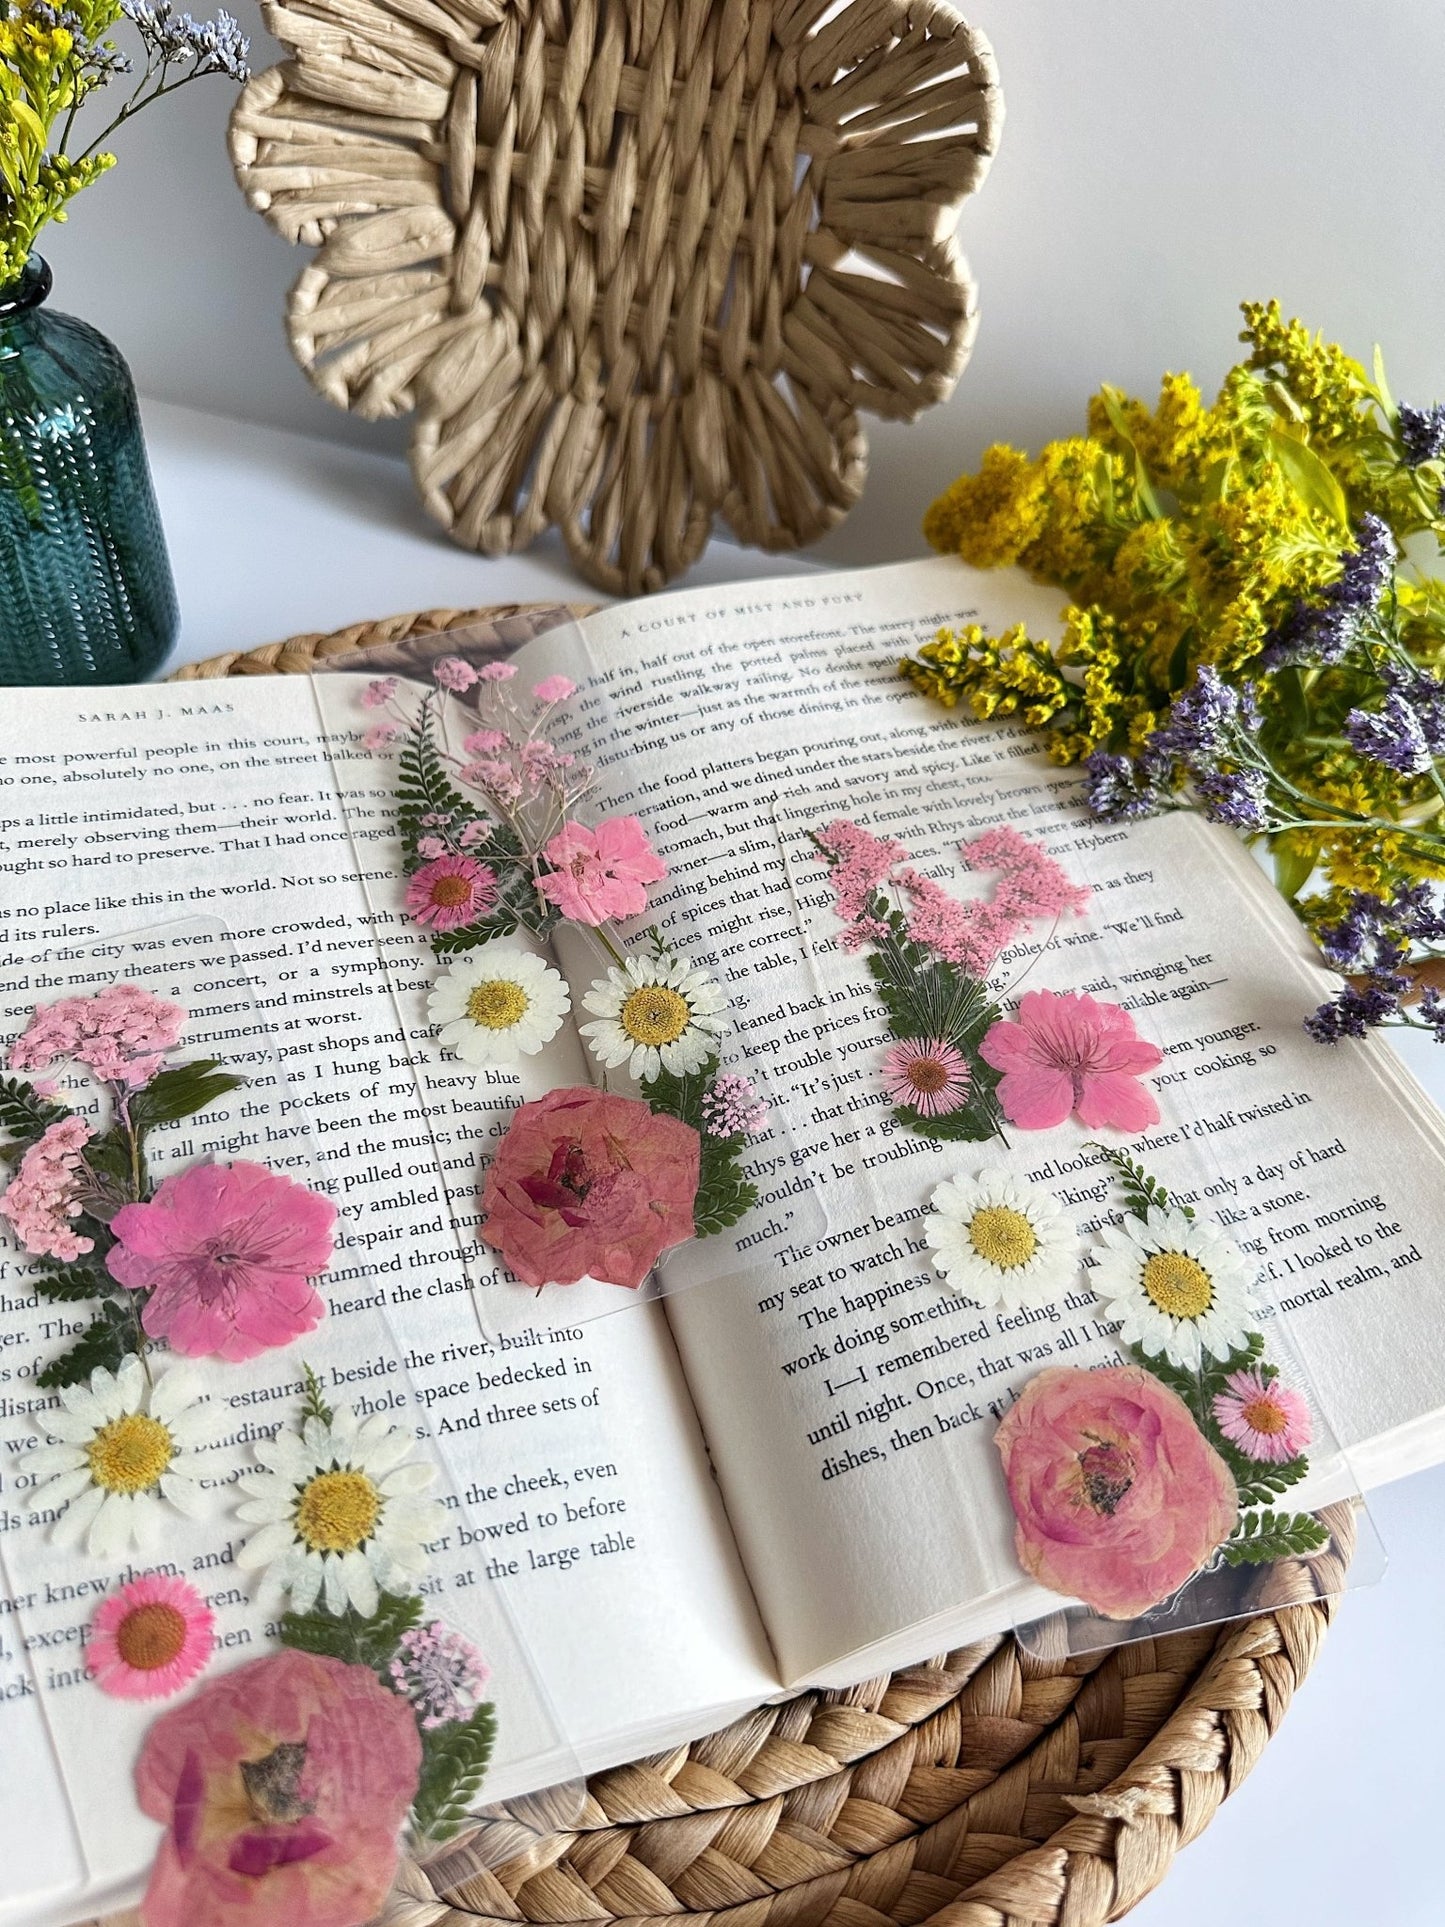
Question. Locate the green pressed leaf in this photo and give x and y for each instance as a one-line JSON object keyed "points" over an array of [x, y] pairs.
{"points": [[1141, 1191], [181, 1092], [24, 1115], [453, 1764], [724, 1192], [347, 1636], [72, 1283], [1261, 1537], [108, 1342], [1257, 1482], [1310, 479]]}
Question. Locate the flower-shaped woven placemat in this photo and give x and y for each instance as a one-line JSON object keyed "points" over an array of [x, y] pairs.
{"points": [[634, 263], [982, 1788]]}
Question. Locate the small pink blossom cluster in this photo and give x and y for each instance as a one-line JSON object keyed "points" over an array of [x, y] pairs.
{"points": [[733, 1108], [441, 1673], [121, 1034], [41, 1198], [860, 864]]}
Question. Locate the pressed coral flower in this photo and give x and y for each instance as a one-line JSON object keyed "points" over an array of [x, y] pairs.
{"points": [[340, 1513], [1265, 1419], [1001, 1241], [449, 892], [601, 874], [1179, 1285], [655, 1014], [1118, 1497], [1071, 1053], [498, 1005], [928, 1075], [150, 1639], [227, 1253], [127, 1452], [282, 1787]]}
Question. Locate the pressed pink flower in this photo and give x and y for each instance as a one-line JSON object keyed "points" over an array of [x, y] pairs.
{"points": [[150, 1639], [1118, 1497], [42, 1197], [485, 742], [586, 1184], [601, 873], [471, 834], [454, 674], [968, 932], [430, 846], [227, 1253], [733, 1108], [450, 891], [380, 736], [1069, 1053], [1265, 1419], [440, 1672], [860, 863], [554, 689], [1031, 884], [282, 1787], [927, 1073], [498, 671], [378, 694], [121, 1034]]}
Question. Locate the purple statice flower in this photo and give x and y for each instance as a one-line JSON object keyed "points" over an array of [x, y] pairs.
{"points": [[1203, 719], [1324, 630], [1375, 933], [1426, 696], [733, 1108], [1351, 944], [440, 1672], [1432, 1011], [214, 46], [1392, 735], [1122, 788], [1421, 433], [1351, 1012], [1239, 797]]}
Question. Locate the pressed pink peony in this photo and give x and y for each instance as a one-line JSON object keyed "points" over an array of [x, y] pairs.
{"points": [[1118, 1497], [1069, 1053], [928, 1073], [601, 873], [1264, 1418], [227, 1253], [150, 1639], [282, 1787], [450, 891], [588, 1185]]}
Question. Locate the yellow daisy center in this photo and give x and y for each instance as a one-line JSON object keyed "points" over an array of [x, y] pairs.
{"points": [[151, 1636], [1264, 1415], [338, 1511], [655, 1015], [130, 1454], [1178, 1285], [450, 892], [1002, 1236], [497, 1005]]}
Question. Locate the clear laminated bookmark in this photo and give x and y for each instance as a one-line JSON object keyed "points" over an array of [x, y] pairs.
{"points": [[218, 1452], [589, 1026]]}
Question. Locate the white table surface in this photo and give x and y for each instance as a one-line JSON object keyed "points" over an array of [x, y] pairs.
{"points": [[273, 534]]}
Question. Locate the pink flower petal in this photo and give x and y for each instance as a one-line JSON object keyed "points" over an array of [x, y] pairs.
{"points": [[1112, 1098], [1036, 1098]]}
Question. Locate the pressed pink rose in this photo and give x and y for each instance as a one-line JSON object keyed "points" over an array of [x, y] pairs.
{"points": [[450, 891], [282, 1787], [588, 1185], [601, 873], [227, 1253], [1070, 1053], [1117, 1494]]}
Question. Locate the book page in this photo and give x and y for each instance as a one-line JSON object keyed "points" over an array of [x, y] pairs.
{"points": [[848, 1397], [575, 1451]]}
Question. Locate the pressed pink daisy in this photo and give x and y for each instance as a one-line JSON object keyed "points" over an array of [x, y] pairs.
{"points": [[1267, 1420], [450, 892], [928, 1074], [150, 1639]]}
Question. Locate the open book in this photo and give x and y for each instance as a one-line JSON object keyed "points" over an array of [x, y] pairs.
{"points": [[782, 1472]]}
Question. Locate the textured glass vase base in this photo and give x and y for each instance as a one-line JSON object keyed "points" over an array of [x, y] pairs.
{"points": [[86, 594]]}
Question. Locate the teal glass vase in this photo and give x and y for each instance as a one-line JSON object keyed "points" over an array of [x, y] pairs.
{"points": [[86, 594]]}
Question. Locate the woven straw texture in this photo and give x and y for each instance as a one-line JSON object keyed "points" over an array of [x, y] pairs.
{"points": [[633, 263], [983, 1788]]}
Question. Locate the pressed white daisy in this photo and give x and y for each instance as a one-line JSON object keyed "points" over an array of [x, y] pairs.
{"points": [[655, 1014], [127, 1450], [340, 1513], [498, 1005], [1001, 1241], [1180, 1286]]}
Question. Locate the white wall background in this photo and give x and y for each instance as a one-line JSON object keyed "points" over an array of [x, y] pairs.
{"points": [[1159, 164]]}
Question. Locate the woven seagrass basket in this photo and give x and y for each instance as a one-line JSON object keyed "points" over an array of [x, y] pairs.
{"points": [[980, 1788]]}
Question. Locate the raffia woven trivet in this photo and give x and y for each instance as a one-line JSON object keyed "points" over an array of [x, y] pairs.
{"points": [[982, 1788]]}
